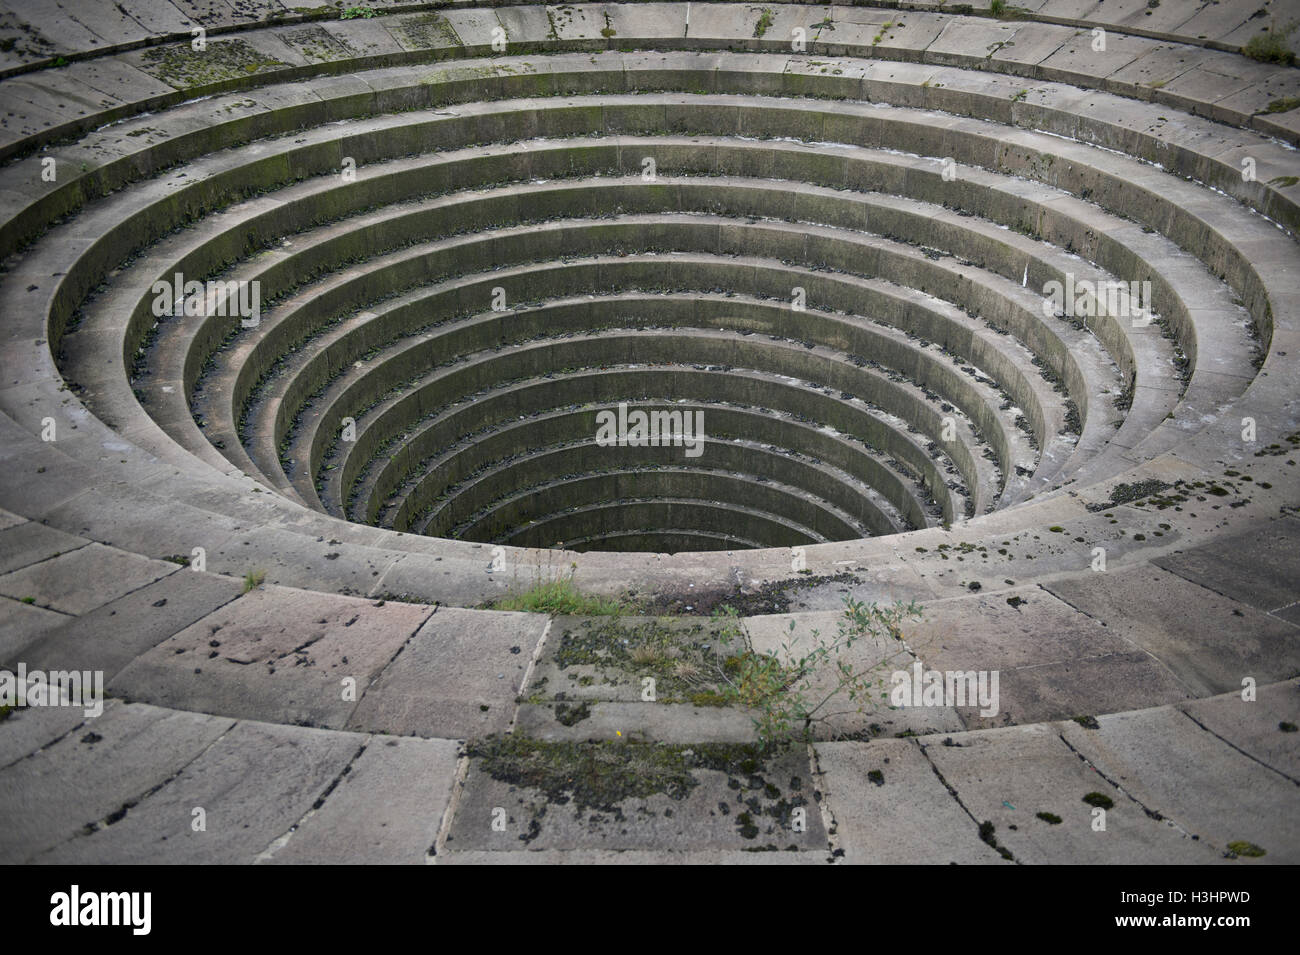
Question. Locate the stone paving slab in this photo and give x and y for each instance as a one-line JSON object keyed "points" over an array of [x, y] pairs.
{"points": [[771, 634], [1206, 84], [1257, 727], [386, 809], [1210, 649], [474, 27], [521, 22], [32, 542], [422, 31], [285, 556], [253, 784], [36, 479], [316, 45], [413, 575], [609, 720], [1108, 684], [648, 20], [208, 14], [1160, 64], [360, 39], [1172, 766], [84, 579], [964, 38], [29, 728], [275, 654], [1260, 567], [158, 16], [110, 637], [113, 516], [93, 772], [1053, 661], [22, 623], [109, 23], [903, 816], [61, 95], [598, 658], [637, 796], [457, 677], [57, 27], [1007, 777]]}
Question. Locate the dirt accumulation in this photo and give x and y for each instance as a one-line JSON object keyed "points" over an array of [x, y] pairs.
{"points": [[775, 596]]}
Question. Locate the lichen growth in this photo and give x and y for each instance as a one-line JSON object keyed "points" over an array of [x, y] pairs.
{"points": [[223, 60]]}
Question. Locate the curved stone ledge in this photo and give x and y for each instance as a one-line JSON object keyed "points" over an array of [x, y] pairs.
{"points": [[785, 406], [510, 495], [727, 444], [1109, 524]]}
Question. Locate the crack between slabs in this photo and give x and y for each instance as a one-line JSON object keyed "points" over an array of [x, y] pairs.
{"points": [[40, 749], [439, 846], [829, 822], [1137, 647], [391, 660], [528, 673], [281, 841], [90, 828], [1151, 813], [1243, 752], [953, 793]]}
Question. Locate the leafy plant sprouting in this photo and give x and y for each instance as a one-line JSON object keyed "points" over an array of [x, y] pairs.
{"points": [[793, 689]]}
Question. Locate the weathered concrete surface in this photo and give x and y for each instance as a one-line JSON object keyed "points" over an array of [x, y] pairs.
{"points": [[28, 729], [21, 623], [1164, 762], [792, 636], [1201, 589], [610, 720], [113, 635], [252, 785], [749, 806], [457, 676], [1008, 777], [1263, 728], [275, 654], [906, 817], [93, 772], [387, 808], [31, 542], [80, 581], [1260, 567], [1052, 660], [1208, 641]]}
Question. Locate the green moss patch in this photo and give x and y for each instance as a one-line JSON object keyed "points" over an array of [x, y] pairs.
{"points": [[571, 714], [1247, 849], [987, 830], [687, 662], [223, 60], [1127, 493], [601, 776]]}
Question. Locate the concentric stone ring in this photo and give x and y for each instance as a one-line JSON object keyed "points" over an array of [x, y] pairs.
{"points": [[330, 332]]}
